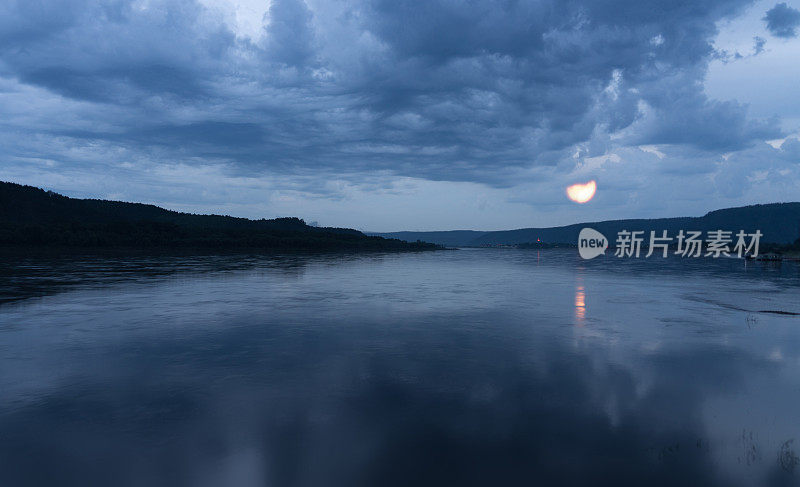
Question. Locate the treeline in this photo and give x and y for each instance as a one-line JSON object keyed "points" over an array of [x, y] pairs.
{"points": [[763, 247], [781, 248], [32, 217], [544, 245]]}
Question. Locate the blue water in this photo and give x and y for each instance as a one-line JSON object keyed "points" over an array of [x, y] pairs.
{"points": [[469, 367]]}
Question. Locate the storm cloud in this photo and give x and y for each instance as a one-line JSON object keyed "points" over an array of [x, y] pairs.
{"points": [[487, 92]]}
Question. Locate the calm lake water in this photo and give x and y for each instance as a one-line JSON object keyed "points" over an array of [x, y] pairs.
{"points": [[453, 368]]}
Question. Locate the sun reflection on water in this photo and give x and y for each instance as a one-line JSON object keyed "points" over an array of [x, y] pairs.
{"points": [[580, 302]]}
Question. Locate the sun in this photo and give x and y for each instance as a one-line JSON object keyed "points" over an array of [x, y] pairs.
{"points": [[581, 193]]}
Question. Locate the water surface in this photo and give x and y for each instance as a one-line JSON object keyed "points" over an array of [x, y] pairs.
{"points": [[469, 367]]}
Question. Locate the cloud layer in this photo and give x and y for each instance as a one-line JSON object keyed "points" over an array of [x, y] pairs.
{"points": [[367, 93]]}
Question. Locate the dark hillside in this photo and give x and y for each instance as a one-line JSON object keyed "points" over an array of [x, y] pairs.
{"points": [[779, 223], [30, 216]]}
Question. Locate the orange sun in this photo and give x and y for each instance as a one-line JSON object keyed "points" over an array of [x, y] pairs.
{"points": [[581, 193]]}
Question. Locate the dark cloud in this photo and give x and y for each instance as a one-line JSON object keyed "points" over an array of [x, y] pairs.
{"points": [[782, 20], [440, 90], [290, 32]]}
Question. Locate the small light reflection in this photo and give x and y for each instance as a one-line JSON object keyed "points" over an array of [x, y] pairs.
{"points": [[580, 302]]}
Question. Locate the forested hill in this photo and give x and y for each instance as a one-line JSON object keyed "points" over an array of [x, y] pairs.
{"points": [[778, 222], [31, 216]]}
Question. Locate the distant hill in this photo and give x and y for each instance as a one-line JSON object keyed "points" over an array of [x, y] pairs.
{"points": [[450, 238], [33, 217], [778, 222]]}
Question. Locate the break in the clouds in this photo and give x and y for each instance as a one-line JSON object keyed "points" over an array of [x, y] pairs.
{"points": [[394, 114]]}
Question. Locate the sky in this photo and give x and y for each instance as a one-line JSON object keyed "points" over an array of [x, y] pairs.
{"points": [[387, 115]]}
